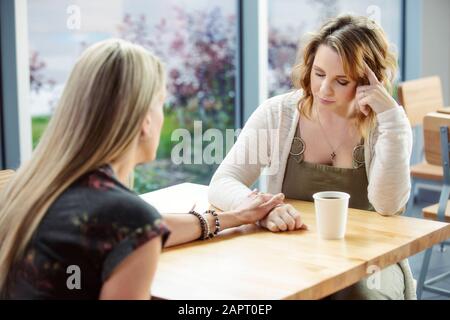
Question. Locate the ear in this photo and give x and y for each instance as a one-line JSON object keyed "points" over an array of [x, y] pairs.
{"points": [[145, 128]]}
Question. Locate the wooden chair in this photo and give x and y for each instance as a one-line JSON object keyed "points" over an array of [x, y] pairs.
{"points": [[444, 110], [420, 97], [5, 176], [437, 152]]}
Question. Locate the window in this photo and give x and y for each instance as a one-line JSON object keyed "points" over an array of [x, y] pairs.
{"points": [[289, 20], [197, 40]]}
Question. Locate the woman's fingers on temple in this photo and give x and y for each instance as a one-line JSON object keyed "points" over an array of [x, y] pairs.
{"points": [[359, 106], [364, 109], [364, 102], [363, 88], [371, 75]]}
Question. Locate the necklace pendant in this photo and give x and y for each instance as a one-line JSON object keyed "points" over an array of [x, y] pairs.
{"points": [[333, 155]]}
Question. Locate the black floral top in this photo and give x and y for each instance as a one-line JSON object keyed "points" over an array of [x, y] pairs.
{"points": [[94, 225]]}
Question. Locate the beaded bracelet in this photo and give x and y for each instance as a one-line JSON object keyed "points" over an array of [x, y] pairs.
{"points": [[217, 222], [203, 224]]}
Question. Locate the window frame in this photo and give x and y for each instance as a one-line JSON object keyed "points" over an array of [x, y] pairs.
{"points": [[15, 117]]}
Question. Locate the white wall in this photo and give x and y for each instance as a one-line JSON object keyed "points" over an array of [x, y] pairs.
{"points": [[436, 42]]}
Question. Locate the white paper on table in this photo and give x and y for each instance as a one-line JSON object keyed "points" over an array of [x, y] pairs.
{"points": [[179, 198]]}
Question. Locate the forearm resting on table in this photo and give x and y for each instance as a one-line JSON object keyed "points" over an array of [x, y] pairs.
{"points": [[186, 227]]}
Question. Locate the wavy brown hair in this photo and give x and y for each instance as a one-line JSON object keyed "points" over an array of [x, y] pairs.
{"points": [[356, 39]]}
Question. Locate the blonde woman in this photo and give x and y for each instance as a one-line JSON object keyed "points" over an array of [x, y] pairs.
{"points": [[340, 130], [69, 212]]}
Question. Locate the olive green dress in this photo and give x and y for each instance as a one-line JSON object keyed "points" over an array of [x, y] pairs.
{"points": [[303, 179]]}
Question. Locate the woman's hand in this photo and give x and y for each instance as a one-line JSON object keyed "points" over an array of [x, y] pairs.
{"points": [[257, 205], [373, 96], [283, 218]]}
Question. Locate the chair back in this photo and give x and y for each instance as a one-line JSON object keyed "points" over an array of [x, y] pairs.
{"points": [[436, 130], [420, 97]]}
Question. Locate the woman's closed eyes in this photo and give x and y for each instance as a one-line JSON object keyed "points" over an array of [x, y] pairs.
{"points": [[341, 82]]}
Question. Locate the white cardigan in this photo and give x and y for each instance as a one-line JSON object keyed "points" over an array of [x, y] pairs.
{"points": [[387, 153]]}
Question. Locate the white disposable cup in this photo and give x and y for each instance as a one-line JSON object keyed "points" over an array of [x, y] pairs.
{"points": [[331, 214]]}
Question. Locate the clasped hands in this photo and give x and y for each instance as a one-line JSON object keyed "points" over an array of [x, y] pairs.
{"points": [[271, 212]]}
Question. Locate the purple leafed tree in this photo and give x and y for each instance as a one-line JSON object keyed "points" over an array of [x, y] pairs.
{"points": [[284, 44], [37, 77], [282, 56], [199, 50]]}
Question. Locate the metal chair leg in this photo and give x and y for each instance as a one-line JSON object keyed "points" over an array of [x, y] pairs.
{"points": [[423, 272], [411, 200], [445, 194]]}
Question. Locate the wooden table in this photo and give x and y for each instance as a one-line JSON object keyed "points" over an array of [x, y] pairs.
{"points": [[252, 263]]}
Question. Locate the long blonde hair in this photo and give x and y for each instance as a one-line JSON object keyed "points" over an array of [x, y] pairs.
{"points": [[100, 113], [356, 39]]}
